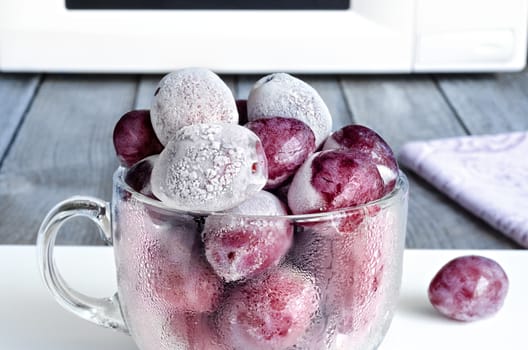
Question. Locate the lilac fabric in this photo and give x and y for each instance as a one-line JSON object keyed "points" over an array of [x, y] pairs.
{"points": [[488, 175]]}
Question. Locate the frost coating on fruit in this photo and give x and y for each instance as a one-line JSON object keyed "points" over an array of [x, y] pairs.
{"points": [[361, 139], [334, 179], [302, 196], [190, 96], [242, 247], [209, 167], [282, 95], [287, 143], [469, 288], [270, 313]]}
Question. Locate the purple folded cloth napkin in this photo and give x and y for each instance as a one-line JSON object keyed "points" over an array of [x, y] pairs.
{"points": [[488, 175]]}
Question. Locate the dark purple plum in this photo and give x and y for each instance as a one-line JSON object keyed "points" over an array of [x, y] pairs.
{"points": [[242, 111], [287, 143], [469, 288], [134, 138], [362, 139]]}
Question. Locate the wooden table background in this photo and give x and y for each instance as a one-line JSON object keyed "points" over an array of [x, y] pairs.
{"points": [[56, 139]]}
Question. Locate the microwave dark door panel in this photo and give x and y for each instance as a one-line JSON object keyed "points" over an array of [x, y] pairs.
{"points": [[208, 4]]}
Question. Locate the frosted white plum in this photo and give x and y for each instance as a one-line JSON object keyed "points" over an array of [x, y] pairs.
{"points": [[281, 95], [239, 247], [190, 96], [209, 167]]}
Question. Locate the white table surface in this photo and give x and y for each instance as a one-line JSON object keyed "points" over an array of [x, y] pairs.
{"points": [[31, 319]]}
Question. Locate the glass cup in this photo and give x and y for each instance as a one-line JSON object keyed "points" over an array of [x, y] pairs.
{"points": [[224, 281]]}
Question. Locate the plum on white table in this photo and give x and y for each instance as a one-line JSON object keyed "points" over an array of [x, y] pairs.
{"points": [[469, 288]]}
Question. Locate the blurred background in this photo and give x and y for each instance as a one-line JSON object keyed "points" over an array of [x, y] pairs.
{"points": [[410, 69], [316, 36]]}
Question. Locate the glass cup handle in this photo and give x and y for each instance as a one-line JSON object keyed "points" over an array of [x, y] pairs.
{"points": [[102, 311]]}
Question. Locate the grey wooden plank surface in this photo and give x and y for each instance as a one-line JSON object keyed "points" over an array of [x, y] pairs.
{"points": [[145, 91], [64, 148], [331, 91], [244, 84], [402, 109], [16, 93], [489, 103]]}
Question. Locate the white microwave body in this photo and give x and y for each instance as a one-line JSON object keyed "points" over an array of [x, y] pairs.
{"points": [[371, 36]]}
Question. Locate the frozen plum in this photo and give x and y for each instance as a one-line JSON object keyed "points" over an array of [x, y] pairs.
{"points": [[335, 179], [313, 252], [469, 288], [165, 267], [178, 274], [182, 280], [280, 94], [269, 313], [191, 96], [358, 288], [134, 138], [287, 143], [353, 273], [190, 286], [191, 331], [210, 167], [362, 139], [242, 247]]}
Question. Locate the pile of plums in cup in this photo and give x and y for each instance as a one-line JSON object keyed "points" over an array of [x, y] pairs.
{"points": [[189, 152]]}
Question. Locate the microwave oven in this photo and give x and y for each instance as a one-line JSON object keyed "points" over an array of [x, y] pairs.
{"points": [[259, 36]]}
